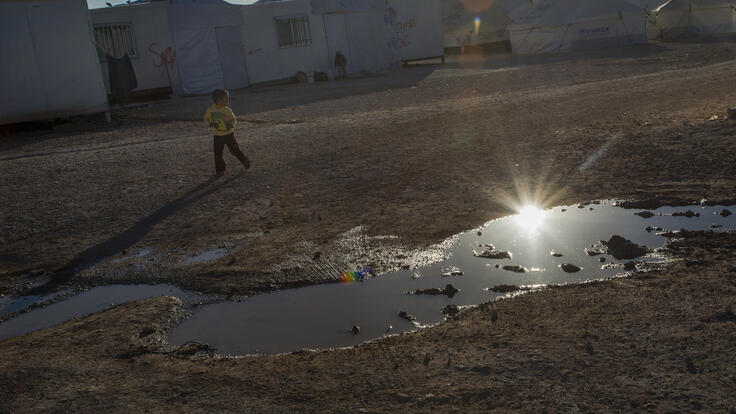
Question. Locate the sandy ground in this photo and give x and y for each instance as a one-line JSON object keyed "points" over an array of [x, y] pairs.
{"points": [[419, 155]]}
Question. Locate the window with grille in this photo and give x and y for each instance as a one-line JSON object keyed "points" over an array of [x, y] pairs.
{"points": [[115, 40], [293, 31]]}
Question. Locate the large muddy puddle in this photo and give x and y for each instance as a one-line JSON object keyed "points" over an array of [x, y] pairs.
{"points": [[515, 253], [544, 248]]}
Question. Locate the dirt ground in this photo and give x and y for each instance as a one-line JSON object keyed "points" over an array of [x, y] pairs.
{"points": [[418, 155]]}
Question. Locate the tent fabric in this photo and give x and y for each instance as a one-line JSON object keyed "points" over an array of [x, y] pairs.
{"points": [[198, 61], [683, 18], [567, 26], [193, 29]]}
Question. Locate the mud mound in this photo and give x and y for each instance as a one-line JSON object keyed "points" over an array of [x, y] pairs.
{"points": [[621, 248]]}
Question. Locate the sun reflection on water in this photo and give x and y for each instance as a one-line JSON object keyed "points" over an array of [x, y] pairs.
{"points": [[530, 218]]}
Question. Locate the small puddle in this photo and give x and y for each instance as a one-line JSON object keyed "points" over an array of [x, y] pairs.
{"points": [[10, 304], [540, 244], [91, 301]]}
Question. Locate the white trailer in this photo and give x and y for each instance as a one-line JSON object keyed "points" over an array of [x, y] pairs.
{"points": [[283, 38], [415, 28], [50, 66], [142, 31]]}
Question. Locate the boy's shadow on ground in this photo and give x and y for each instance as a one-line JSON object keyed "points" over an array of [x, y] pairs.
{"points": [[129, 237]]}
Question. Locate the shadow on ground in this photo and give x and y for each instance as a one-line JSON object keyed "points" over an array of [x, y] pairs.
{"points": [[129, 237]]}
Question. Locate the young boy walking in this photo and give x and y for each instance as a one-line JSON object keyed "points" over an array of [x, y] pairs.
{"points": [[222, 121]]}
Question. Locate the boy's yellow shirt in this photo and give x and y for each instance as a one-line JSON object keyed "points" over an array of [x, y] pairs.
{"points": [[220, 116]]}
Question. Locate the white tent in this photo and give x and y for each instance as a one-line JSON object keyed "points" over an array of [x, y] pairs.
{"points": [[682, 18], [48, 69], [567, 25]]}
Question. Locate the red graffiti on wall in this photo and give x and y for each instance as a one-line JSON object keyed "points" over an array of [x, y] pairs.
{"points": [[403, 31], [254, 51], [168, 56]]}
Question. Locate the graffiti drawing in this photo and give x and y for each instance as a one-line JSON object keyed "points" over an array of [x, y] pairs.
{"points": [[168, 56]]}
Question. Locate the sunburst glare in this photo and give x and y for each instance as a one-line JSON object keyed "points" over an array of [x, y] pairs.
{"points": [[530, 218]]}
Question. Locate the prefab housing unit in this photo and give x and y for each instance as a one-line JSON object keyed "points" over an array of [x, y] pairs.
{"points": [[141, 31], [195, 47], [182, 46], [415, 28], [50, 67], [282, 38]]}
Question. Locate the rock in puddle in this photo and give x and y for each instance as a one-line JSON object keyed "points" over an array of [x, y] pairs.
{"points": [[490, 252], [451, 271], [595, 250], [570, 268], [449, 290], [687, 214], [555, 254], [645, 214], [516, 269], [621, 248], [725, 213]]}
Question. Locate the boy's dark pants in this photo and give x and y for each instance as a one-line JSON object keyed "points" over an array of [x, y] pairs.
{"points": [[232, 145]]}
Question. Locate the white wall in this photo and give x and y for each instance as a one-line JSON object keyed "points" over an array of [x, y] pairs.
{"points": [[264, 59], [152, 37], [49, 68], [417, 28]]}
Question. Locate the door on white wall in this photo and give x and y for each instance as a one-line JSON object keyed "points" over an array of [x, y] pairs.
{"points": [[232, 57], [337, 39]]}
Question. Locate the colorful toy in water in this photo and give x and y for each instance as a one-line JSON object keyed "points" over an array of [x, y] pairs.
{"points": [[356, 276]]}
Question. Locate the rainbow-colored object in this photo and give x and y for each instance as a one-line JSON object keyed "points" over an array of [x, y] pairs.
{"points": [[356, 276]]}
